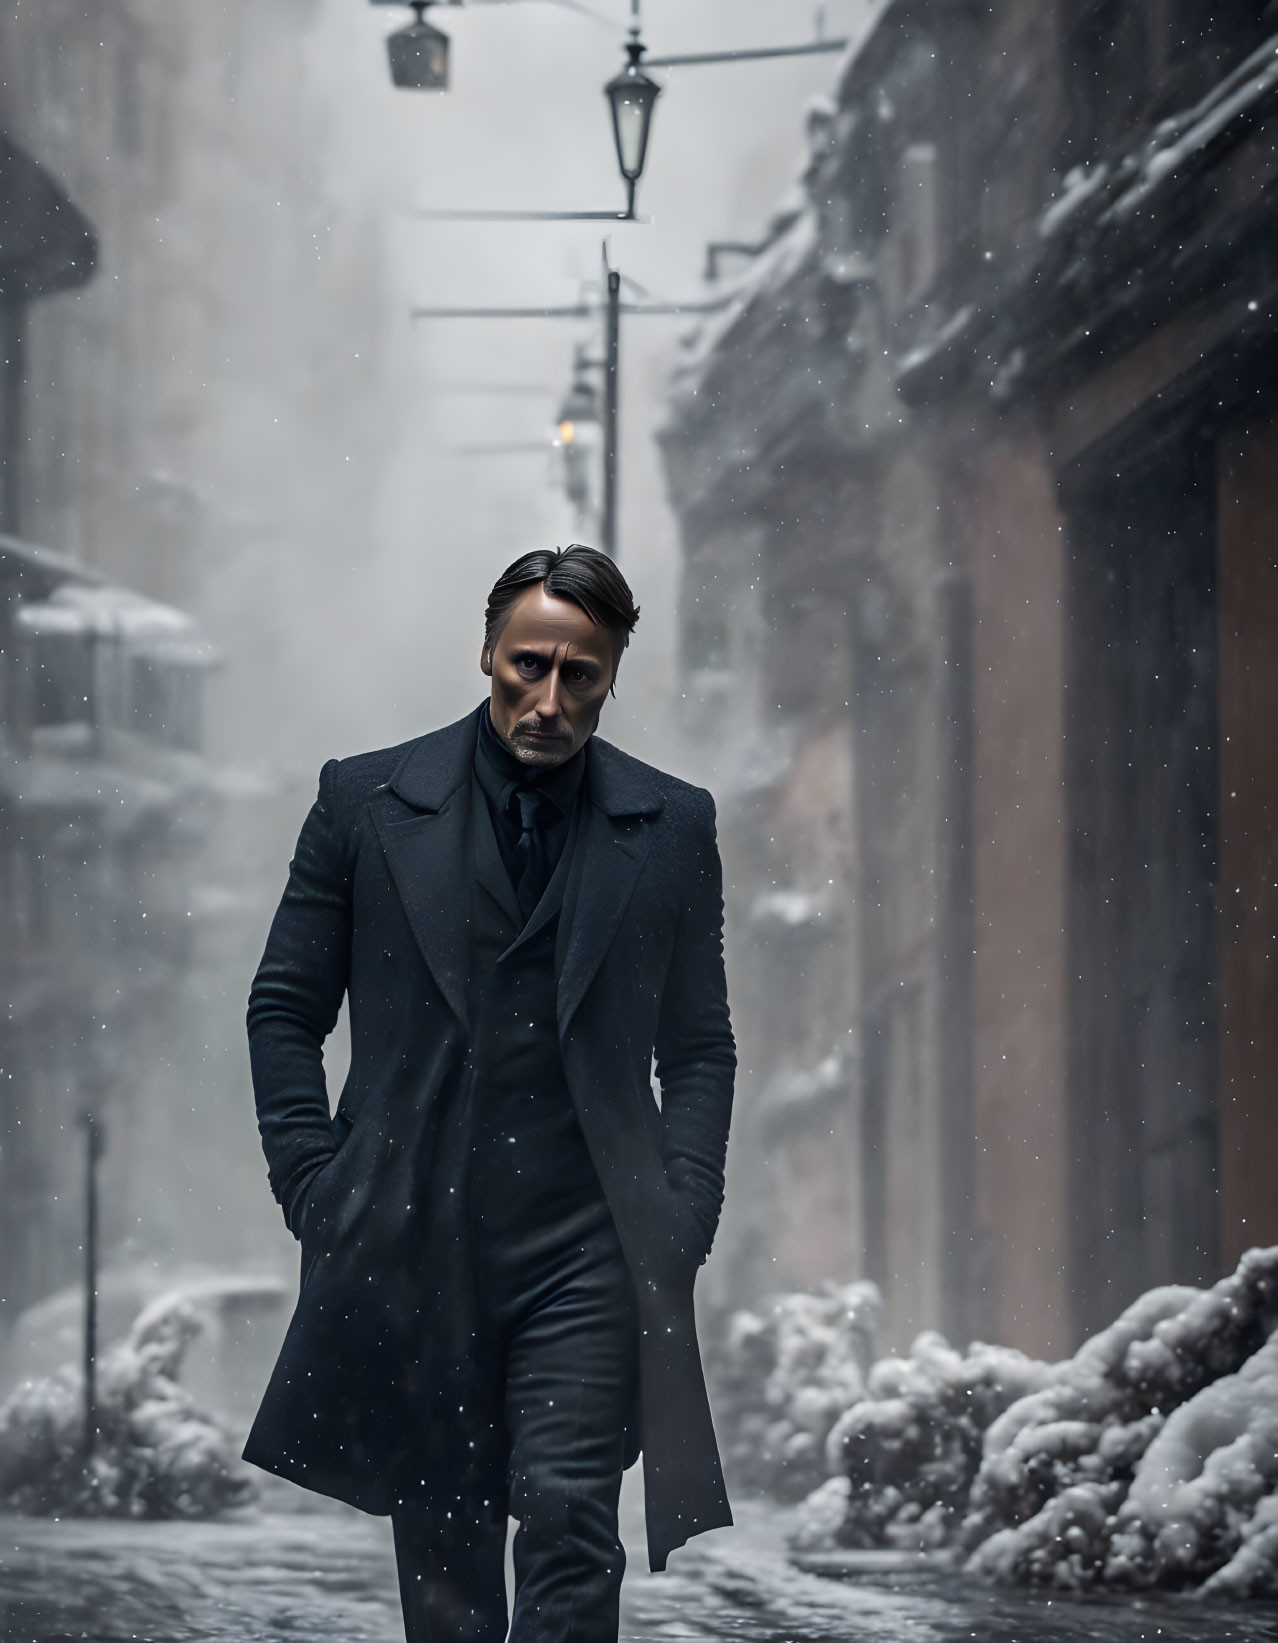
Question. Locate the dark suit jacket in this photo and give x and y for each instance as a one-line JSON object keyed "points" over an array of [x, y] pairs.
{"points": [[376, 909]]}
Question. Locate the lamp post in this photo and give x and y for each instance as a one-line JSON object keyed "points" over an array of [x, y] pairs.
{"points": [[632, 96], [582, 310], [419, 53], [582, 398], [612, 367], [94, 1141], [579, 430]]}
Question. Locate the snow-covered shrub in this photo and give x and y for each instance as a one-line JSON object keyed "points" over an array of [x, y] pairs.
{"points": [[1202, 1480], [784, 1376], [819, 1517], [1253, 1569], [911, 1446], [156, 1454], [1149, 1458], [1094, 1478]]}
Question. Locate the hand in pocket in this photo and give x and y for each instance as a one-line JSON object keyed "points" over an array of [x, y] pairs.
{"points": [[312, 1194], [683, 1239]]}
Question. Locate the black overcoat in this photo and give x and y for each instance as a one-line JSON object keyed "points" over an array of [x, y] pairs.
{"points": [[376, 910]]}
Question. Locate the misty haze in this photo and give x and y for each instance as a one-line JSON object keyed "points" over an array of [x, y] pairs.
{"points": [[926, 404]]}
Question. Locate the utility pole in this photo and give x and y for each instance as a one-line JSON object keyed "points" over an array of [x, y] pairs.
{"points": [[94, 1141], [612, 362]]}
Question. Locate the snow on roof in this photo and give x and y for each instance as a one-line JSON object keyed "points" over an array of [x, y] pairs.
{"points": [[106, 611], [794, 229], [792, 908], [54, 594], [795, 1088], [36, 571], [1178, 139], [1119, 191], [44, 783], [930, 352], [1079, 186], [769, 273]]}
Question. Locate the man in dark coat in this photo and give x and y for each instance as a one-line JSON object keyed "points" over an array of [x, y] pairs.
{"points": [[500, 1226]]}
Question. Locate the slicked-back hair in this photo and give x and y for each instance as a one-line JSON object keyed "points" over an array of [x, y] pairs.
{"points": [[583, 576]]}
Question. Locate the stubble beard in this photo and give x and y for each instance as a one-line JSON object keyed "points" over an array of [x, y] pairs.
{"points": [[539, 755]]}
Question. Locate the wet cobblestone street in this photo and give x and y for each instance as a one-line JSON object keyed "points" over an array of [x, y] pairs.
{"points": [[272, 1575]]}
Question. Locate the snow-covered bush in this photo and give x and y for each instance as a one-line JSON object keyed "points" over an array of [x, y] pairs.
{"points": [[1253, 1569], [783, 1376], [156, 1454], [911, 1446], [1202, 1482], [1136, 1465], [1149, 1458]]}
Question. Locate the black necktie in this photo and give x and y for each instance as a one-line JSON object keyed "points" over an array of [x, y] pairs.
{"points": [[532, 862]]}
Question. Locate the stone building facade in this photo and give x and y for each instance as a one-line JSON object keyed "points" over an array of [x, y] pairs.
{"points": [[102, 792], [172, 399], [104, 807], [186, 393], [980, 606]]}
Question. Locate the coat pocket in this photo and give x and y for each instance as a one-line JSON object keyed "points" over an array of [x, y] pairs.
{"points": [[681, 1237], [314, 1214]]}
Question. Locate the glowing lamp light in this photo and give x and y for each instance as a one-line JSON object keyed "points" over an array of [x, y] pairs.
{"points": [[580, 406], [580, 431]]}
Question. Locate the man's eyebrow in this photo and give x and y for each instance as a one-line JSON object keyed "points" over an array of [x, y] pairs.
{"points": [[544, 653]]}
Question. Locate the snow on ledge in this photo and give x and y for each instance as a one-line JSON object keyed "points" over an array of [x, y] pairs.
{"points": [[1128, 185], [794, 909]]}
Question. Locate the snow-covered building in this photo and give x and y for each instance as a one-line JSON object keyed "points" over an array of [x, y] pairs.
{"points": [[103, 795], [103, 804], [974, 480], [169, 427]]}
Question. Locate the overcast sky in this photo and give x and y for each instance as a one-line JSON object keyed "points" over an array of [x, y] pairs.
{"points": [[524, 124]]}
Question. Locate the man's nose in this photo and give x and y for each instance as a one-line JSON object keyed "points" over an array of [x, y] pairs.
{"points": [[548, 700]]}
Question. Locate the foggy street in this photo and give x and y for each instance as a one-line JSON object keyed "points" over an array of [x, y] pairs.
{"points": [[454, 1035], [273, 1575]]}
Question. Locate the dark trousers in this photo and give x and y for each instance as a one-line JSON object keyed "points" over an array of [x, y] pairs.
{"points": [[557, 1327]]}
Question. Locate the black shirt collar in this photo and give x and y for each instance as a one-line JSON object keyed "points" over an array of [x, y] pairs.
{"points": [[500, 772]]}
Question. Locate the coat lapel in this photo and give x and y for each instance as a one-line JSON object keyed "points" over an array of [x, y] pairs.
{"points": [[613, 850], [490, 869], [427, 853]]}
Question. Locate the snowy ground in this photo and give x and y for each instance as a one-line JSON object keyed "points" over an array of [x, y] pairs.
{"points": [[273, 1575]]}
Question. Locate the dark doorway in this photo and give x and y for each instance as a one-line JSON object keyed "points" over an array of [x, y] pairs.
{"points": [[1141, 783]]}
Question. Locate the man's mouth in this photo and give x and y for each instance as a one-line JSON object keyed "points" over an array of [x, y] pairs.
{"points": [[526, 734]]}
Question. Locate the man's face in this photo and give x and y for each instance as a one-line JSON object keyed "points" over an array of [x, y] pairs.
{"points": [[551, 669]]}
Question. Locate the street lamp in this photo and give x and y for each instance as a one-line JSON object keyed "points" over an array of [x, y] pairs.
{"points": [[609, 364], [632, 95], [418, 53], [580, 408], [580, 431]]}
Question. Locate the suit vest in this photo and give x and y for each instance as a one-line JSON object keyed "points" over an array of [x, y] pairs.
{"points": [[513, 984], [522, 1111]]}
